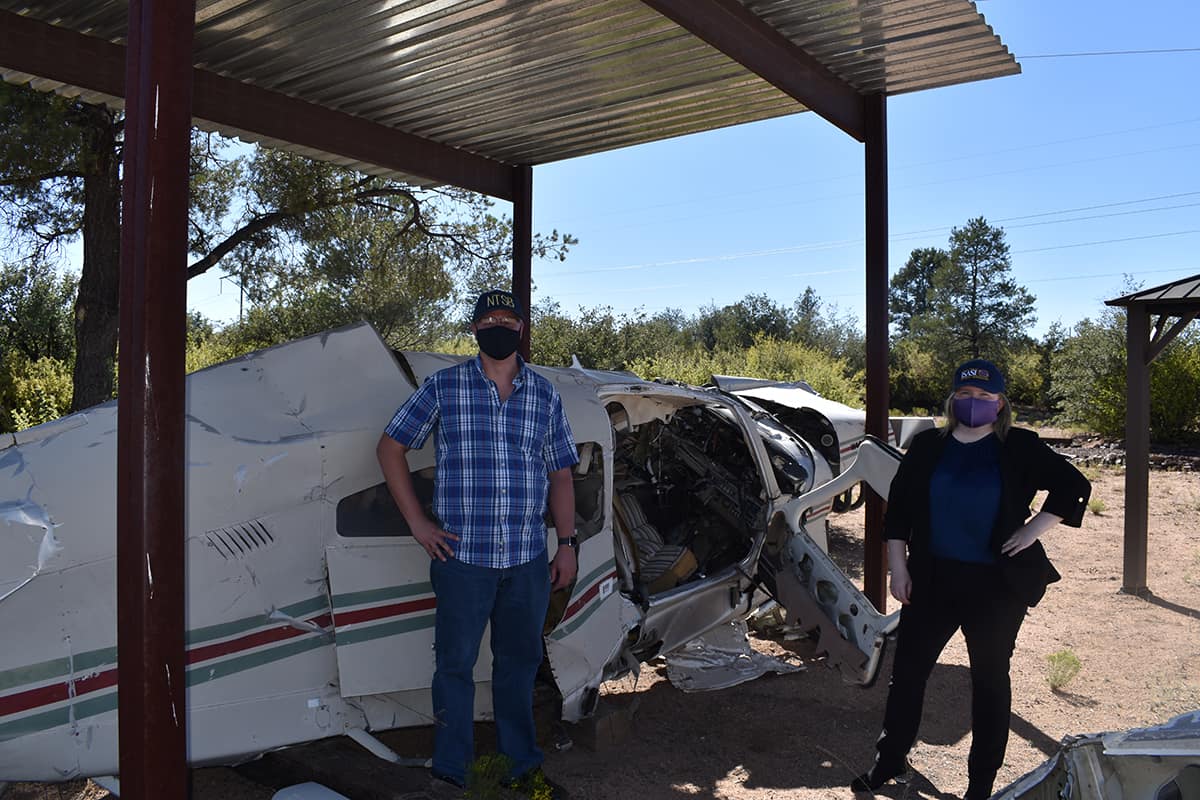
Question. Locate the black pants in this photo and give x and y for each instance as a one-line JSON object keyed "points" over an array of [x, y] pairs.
{"points": [[972, 597]]}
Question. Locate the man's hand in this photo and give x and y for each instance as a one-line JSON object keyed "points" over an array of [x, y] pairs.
{"points": [[435, 540], [902, 584], [563, 567]]}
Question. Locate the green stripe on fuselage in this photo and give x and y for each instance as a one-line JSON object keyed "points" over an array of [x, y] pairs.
{"points": [[368, 596], [394, 628], [92, 706], [90, 660], [224, 630], [56, 667]]}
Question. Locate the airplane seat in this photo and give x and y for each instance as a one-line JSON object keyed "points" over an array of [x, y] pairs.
{"points": [[661, 565]]}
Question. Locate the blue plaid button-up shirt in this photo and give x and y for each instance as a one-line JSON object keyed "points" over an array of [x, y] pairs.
{"points": [[493, 458]]}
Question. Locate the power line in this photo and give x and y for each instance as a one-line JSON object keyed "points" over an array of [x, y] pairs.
{"points": [[1101, 205], [1105, 216], [1051, 143], [724, 196], [901, 237], [912, 234], [1037, 167], [726, 209], [1101, 275], [1113, 53], [1109, 241], [823, 297]]}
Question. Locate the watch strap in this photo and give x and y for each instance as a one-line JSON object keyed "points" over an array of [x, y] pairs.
{"points": [[569, 541]]}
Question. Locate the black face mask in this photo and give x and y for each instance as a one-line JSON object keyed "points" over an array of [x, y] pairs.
{"points": [[498, 342]]}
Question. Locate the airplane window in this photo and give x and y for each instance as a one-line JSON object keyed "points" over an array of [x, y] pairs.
{"points": [[589, 492], [373, 512]]}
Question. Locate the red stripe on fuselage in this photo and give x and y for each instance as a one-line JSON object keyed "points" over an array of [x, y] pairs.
{"points": [[54, 693], [211, 651], [343, 618], [58, 692], [585, 598]]}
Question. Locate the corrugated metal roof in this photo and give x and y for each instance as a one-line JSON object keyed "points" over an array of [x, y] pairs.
{"points": [[1183, 292], [533, 81]]}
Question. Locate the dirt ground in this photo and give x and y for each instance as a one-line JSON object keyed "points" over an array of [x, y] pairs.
{"points": [[805, 735]]}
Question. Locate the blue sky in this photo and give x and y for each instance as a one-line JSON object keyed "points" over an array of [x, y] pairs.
{"points": [[1090, 163]]}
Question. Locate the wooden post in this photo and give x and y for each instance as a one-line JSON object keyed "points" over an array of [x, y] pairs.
{"points": [[150, 419], [1137, 448]]}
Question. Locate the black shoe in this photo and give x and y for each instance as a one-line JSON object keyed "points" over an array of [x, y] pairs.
{"points": [[535, 784], [877, 777], [443, 786], [976, 791]]}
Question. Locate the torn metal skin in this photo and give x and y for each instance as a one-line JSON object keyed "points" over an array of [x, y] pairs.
{"points": [[1161, 762]]}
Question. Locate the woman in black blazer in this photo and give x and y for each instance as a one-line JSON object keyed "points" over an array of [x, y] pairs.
{"points": [[963, 552]]}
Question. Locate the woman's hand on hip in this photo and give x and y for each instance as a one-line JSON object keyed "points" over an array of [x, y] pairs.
{"points": [[1029, 533], [1022, 538]]}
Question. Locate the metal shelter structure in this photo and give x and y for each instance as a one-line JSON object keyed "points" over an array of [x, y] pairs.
{"points": [[1173, 306], [473, 93]]}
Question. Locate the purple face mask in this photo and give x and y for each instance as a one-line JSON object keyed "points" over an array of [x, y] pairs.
{"points": [[975, 412]]}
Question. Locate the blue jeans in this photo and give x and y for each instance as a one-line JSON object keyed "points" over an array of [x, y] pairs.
{"points": [[514, 599]]}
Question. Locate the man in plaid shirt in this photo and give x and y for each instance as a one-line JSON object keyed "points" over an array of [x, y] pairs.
{"points": [[503, 447]]}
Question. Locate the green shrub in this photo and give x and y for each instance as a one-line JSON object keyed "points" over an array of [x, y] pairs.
{"points": [[1096, 506], [919, 375], [32, 392], [212, 350], [1088, 380], [767, 358], [1063, 666], [1174, 387], [1024, 375]]}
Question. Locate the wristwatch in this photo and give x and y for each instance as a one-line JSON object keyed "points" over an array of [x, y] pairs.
{"points": [[569, 541]]}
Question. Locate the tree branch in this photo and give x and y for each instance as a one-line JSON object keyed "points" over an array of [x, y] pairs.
{"points": [[238, 237], [360, 195], [38, 178]]}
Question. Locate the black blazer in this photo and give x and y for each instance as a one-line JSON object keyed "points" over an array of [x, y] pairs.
{"points": [[1027, 465]]}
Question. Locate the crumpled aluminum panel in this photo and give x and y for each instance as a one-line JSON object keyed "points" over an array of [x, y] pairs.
{"points": [[721, 658], [532, 81]]}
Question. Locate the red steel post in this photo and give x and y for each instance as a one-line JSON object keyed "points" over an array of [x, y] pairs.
{"points": [[150, 421], [522, 277], [878, 395]]}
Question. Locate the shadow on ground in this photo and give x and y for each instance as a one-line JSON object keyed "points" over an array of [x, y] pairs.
{"points": [[807, 730]]}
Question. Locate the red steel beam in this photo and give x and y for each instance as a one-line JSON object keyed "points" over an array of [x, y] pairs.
{"points": [[878, 395], [743, 36], [151, 681], [522, 273], [33, 47]]}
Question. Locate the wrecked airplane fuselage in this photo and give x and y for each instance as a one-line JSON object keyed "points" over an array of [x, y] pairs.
{"points": [[309, 611], [1161, 762], [834, 428]]}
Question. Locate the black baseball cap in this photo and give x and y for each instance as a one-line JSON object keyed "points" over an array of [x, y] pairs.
{"points": [[496, 300], [982, 373]]}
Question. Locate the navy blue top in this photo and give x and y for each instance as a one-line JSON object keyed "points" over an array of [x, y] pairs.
{"points": [[964, 499]]}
